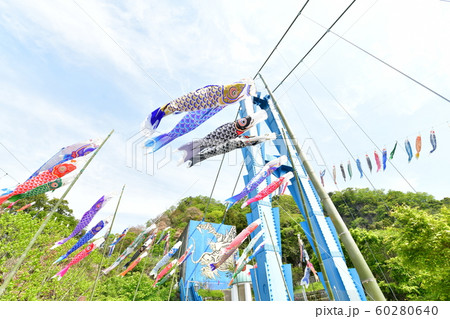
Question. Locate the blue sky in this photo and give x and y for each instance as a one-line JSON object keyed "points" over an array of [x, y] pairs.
{"points": [[75, 70]]}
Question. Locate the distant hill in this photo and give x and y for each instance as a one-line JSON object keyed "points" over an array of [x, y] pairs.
{"points": [[404, 237]]}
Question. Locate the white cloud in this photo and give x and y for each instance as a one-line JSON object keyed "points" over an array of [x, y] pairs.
{"points": [[184, 47]]}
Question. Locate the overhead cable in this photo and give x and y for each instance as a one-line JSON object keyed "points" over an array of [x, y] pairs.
{"points": [[320, 39]]}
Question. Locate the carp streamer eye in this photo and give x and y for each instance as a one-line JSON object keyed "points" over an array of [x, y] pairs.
{"points": [[233, 92], [242, 122]]}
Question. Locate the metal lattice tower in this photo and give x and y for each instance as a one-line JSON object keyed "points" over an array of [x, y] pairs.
{"points": [[272, 280]]}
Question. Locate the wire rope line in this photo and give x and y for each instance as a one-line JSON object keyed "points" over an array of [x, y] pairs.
{"points": [[46, 278], [281, 39], [151, 251], [301, 119], [356, 256], [46, 220], [79, 273], [206, 208], [317, 42], [317, 243], [359, 126], [214, 186], [217, 175], [308, 217], [145, 264], [223, 219], [386, 97], [278, 259], [155, 221], [83, 265], [277, 255], [387, 207], [9, 175], [327, 167], [370, 249], [222, 223], [334, 43], [271, 239], [382, 61], [314, 240], [123, 50], [15, 158], [340, 139]]}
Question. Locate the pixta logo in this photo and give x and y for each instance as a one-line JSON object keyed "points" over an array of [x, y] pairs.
{"points": [[139, 157], [143, 160], [312, 152]]}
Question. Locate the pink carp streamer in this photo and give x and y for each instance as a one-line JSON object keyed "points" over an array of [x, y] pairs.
{"points": [[243, 259], [165, 271], [235, 243], [26, 206], [281, 183], [172, 266], [83, 254], [264, 173], [165, 259], [12, 204], [377, 160]]}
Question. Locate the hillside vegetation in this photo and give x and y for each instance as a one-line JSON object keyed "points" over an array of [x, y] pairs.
{"points": [[404, 237]]}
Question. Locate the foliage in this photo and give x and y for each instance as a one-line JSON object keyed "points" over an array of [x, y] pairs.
{"points": [[290, 219], [364, 208], [196, 208], [421, 244], [41, 207], [16, 231], [404, 238], [132, 287], [211, 295]]}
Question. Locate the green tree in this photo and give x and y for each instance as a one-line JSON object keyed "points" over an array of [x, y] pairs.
{"points": [[404, 239], [421, 243]]}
